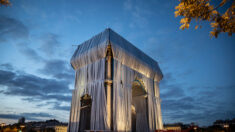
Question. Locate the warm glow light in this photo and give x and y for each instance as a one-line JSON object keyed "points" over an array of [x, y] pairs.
{"points": [[226, 126]]}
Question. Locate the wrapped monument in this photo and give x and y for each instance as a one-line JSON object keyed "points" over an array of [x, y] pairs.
{"points": [[116, 87]]}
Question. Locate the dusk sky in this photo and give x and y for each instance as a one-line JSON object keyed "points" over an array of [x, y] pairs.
{"points": [[36, 44]]}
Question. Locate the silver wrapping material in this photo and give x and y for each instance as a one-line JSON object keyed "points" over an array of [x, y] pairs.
{"points": [[148, 110], [90, 80], [123, 51], [158, 107], [122, 80], [129, 64]]}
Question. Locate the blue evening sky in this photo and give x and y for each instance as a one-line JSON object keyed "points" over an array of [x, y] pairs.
{"points": [[36, 43]]}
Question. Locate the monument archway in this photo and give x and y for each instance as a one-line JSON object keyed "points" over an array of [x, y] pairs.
{"points": [[139, 106], [108, 77], [85, 113]]}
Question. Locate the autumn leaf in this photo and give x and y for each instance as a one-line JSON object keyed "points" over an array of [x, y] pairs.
{"points": [[4, 2], [202, 10]]}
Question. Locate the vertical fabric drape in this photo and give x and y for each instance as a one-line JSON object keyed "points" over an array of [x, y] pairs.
{"points": [[158, 107], [129, 64], [122, 80], [148, 116], [90, 80]]}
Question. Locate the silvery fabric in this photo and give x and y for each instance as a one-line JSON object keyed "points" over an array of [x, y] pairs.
{"points": [[129, 64]]}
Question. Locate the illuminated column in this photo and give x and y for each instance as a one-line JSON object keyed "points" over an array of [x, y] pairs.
{"points": [[158, 113], [108, 82]]}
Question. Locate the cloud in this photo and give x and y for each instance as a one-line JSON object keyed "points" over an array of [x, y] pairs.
{"points": [[172, 91], [127, 5], [6, 77], [184, 103], [28, 116], [169, 88], [49, 43], [34, 88], [202, 118], [58, 69], [30, 53], [168, 78], [138, 13], [7, 66], [56, 97], [65, 108], [200, 104], [217, 97], [58, 106], [12, 28], [203, 106], [36, 115]]}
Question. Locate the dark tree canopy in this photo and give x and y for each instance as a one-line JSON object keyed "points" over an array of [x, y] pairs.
{"points": [[202, 10]]}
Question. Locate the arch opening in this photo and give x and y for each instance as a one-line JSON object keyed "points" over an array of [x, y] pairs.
{"points": [[85, 113], [139, 119], [133, 118], [138, 88]]}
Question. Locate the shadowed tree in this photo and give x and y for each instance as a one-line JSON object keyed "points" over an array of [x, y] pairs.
{"points": [[203, 10]]}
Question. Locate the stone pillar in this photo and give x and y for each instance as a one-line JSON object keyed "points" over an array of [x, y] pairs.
{"points": [[108, 82]]}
